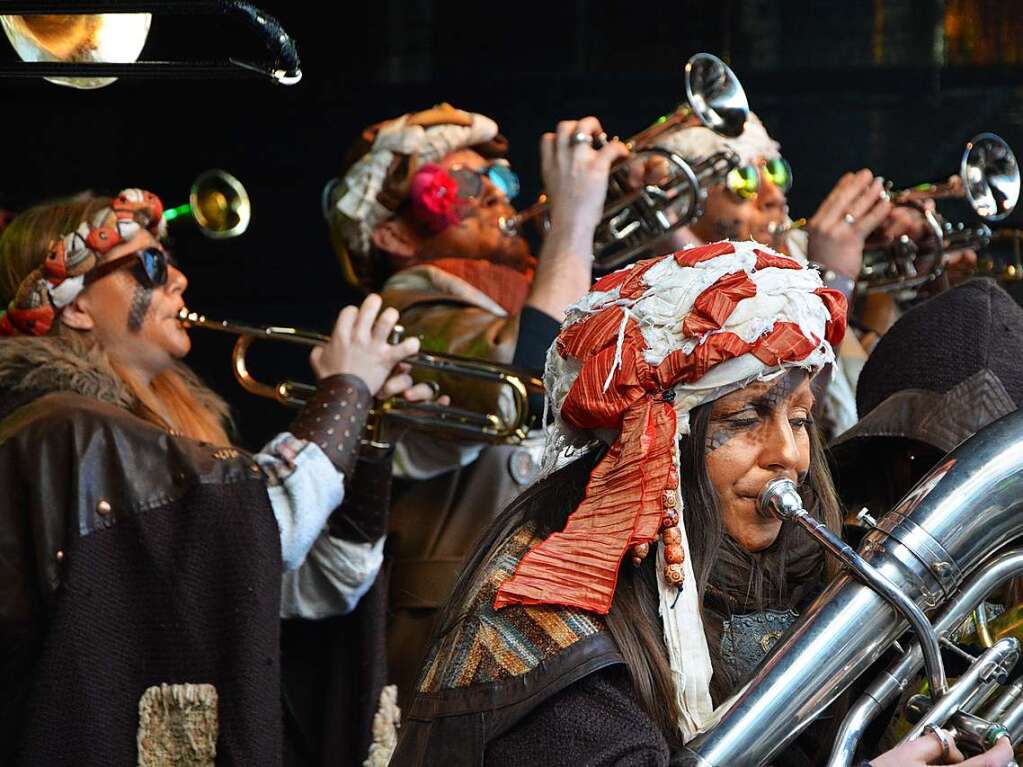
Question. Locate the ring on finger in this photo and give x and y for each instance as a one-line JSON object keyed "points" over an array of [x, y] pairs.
{"points": [[580, 138], [849, 218], [944, 739], [434, 388]]}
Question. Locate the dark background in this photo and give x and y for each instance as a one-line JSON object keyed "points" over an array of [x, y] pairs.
{"points": [[896, 86]]}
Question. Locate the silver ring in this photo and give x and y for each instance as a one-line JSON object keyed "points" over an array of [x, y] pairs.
{"points": [[849, 218], [580, 138], [943, 738]]}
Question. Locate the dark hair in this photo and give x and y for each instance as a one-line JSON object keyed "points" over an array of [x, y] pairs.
{"points": [[633, 620]]}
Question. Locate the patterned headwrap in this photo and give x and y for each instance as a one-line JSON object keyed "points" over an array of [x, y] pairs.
{"points": [[698, 143], [371, 190], [55, 284], [648, 344]]}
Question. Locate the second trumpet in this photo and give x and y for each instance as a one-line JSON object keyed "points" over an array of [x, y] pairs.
{"points": [[493, 427]]}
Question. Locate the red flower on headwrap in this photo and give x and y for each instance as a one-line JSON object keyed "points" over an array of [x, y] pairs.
{"points": [[434, 196]]}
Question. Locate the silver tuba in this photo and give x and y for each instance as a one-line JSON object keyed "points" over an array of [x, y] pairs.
{"points": [[941, 546]]}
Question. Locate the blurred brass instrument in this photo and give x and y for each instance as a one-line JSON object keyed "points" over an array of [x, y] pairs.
{"points": [[988, 179], [1002, 259], [218, 203], [89, 45], [634, 219], [423, 416]]}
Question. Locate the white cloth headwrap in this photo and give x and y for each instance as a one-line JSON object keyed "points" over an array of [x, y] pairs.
{"points": [[699, 143], [783, 295], [355, 195]]}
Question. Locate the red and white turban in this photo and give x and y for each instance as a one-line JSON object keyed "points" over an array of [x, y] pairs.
{"points": [[644, 347], [55, 284]]}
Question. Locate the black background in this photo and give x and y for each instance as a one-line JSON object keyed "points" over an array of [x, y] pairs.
{"points": [[895, 86]]}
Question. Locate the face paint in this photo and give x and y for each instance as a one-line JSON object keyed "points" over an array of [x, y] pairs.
{"points": [[745, 416], [141, 300]]}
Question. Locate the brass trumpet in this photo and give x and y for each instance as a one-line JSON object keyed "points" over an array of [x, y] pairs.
{"points": [[424, 416], [634, 219]]}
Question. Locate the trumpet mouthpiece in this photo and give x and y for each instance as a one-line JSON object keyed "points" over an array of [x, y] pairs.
{"points": [[187, 317]]}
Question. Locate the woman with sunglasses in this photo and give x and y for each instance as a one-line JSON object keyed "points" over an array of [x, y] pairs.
{"points": [[140, 553]]}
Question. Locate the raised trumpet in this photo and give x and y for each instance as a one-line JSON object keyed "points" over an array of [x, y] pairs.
{"points": [[988, 179], [634, 219], [493, 428]]}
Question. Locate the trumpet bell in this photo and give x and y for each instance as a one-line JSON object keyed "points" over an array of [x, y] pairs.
{"points": [[110, 38], [990, 176], [715, 95], [220, 205]]}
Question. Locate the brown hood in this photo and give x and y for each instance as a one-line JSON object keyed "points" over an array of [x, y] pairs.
{"points": [[33, 366], [30, 365]]}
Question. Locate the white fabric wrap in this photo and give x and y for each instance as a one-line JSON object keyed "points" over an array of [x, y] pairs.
{"points": [[697, 144], [783, 295], [356, 197]]}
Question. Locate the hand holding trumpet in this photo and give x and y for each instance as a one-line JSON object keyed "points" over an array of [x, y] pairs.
{"points": [[576, 163], [360, 345]]}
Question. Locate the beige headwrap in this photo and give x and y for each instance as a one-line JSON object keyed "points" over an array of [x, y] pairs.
{"points": [[699, 143], [357, 203]]}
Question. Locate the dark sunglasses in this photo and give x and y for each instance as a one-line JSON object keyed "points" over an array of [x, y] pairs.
{"points": [[745, 181], [470, 180], [149, 266]]}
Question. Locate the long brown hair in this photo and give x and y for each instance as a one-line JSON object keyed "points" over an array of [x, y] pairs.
{"points": [[633, 620], [176, 400]]}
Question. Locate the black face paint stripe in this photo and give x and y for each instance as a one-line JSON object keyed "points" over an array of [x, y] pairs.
{"points": [[721, 432], [141, 300]]}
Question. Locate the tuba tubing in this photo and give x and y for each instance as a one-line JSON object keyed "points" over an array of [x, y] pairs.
{"points": [[942, 531], [888, 685]]}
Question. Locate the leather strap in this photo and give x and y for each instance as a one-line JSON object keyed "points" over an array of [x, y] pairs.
{"points": [[335, 417]]}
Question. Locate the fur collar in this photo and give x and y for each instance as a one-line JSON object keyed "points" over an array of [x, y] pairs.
{"points": [[45, 365]]}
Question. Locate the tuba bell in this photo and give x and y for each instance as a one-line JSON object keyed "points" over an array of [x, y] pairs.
{"points": [[942, 547]]}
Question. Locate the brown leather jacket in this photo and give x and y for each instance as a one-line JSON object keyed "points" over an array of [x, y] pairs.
{"points": [[129, 559]]}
